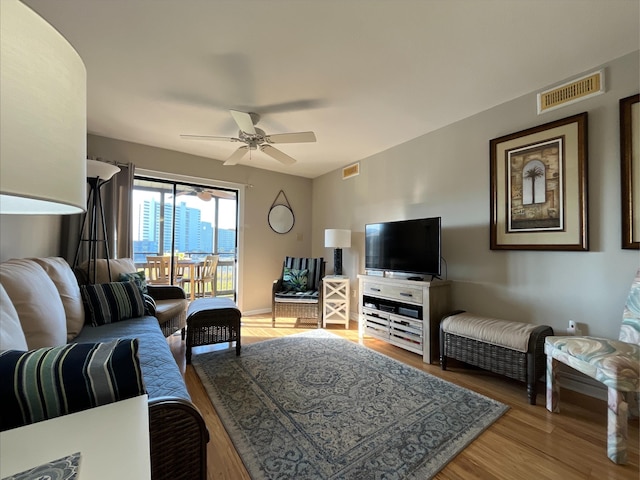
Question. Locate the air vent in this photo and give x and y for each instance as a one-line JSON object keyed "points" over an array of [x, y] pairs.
{"points": [[574, 91], [351, 171]]}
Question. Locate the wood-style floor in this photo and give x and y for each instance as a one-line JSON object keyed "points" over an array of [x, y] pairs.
{"points": [[527, 442]]}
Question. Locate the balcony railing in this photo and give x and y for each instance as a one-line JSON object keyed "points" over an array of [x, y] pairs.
{"points": [[225, 280]]}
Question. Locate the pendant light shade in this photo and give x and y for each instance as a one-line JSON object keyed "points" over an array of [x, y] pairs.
{"points": [[43, 117]]}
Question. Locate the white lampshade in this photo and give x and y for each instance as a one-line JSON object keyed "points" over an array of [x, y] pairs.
{"points": [[43, 117], [334, 238], [102, 170]]}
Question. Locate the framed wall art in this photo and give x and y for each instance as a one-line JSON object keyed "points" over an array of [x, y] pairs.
{"points": [[630, 171], [539, 187]]}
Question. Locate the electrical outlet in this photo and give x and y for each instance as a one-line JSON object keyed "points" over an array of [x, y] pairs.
{"points": [[354, 294]]}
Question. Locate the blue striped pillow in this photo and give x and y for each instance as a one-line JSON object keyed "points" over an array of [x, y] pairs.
{"points": [[111, 302], [50, 382]]}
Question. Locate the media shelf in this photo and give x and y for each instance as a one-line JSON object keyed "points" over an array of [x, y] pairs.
{"points": [[405, 313]]}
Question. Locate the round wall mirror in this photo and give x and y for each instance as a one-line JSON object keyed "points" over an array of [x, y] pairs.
{"points": [[281, 219]]}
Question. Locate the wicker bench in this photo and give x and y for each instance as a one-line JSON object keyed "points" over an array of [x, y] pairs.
{"points": [[513, 349], [210, 321]]}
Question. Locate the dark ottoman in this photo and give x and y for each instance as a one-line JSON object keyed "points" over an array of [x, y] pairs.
{"points": [[212, 320]]}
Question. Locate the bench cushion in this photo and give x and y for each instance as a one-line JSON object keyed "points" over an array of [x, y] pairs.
{"points": [[503, 333]]}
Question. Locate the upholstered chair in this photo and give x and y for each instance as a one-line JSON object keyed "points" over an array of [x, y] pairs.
{"points": [[298, 291], [615, 363]]}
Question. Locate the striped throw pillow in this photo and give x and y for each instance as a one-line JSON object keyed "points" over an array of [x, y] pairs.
{"points": [[111, 302], [50, 382]]}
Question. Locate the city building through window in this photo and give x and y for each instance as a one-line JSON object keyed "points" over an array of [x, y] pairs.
{"points": [[187, 223]]}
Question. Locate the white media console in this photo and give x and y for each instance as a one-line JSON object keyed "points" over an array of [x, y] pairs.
{"points": [[405, 313]]}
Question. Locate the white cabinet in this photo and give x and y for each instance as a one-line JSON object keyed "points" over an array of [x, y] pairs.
{"points": [[405, 313], [335, 300]]}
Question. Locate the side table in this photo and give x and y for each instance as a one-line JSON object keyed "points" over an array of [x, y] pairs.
{"points": [[335, 302]]}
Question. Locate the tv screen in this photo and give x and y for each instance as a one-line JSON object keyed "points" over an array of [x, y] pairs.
{"points": [[406, 246]]}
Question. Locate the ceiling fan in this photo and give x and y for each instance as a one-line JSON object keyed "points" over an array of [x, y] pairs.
{"points": [[255, 138], [206, 194]]}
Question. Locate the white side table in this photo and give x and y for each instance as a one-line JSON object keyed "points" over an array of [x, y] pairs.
{"points": [[335, 301], [113, 441]]}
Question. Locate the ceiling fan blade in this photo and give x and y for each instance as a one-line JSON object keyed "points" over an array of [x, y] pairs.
{"points": [[277, 154], [210, 137], [237, 155], [244, 121], [298, 137]]}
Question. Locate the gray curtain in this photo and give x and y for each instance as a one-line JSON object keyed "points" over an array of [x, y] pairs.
{"points": [[116, 197]]}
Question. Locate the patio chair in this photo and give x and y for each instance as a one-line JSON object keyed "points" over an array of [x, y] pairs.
{"points": [[615, 363], [207, 276], [298, 292]]}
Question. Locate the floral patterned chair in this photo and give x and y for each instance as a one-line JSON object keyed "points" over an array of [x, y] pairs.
{"points": [[615, 363]]}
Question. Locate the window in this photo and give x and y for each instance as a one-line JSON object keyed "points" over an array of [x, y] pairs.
{"points": [[186, 221]]}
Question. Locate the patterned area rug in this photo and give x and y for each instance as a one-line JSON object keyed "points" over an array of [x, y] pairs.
{"points": [[316, 406]]}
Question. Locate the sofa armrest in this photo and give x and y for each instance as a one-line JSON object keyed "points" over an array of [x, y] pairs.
{"points": [[166, 292], [179, 438]]}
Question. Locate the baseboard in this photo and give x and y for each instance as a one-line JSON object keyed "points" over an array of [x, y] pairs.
{"points": [[260, 311], [582, 384]]}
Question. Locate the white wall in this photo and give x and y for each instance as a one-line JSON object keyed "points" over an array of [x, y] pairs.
{"points": [[29, 236], [446, 173]]}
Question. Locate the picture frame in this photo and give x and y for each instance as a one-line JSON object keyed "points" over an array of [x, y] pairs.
{"points": [[539, 187], [630, 170]]}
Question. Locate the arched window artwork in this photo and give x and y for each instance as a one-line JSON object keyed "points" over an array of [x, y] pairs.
{"points": [[534, 178]]}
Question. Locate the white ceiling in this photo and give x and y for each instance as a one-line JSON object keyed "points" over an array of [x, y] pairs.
{"points": [[364, 75]]}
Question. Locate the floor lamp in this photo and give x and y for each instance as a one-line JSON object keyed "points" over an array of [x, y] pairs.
{"points": [[98, 173], [337, 239]]}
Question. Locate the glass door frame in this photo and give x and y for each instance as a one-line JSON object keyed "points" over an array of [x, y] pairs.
{"points": [[163, 177]]}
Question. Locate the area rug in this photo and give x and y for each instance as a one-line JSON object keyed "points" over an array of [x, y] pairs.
{"points": [[316, 406]]}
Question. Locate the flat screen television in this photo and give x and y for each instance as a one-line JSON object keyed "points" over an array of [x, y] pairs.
{"points": [[406, 246]]}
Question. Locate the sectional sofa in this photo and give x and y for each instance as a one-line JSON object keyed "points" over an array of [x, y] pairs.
{"points": [[46, 313]]}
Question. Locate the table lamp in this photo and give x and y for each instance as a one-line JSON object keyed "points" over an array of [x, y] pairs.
{"points": [[337, 239]]}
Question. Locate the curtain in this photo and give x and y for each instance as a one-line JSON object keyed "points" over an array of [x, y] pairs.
{"points": [[116, 196]]}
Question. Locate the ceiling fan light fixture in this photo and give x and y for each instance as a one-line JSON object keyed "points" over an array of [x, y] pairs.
{"points": [[204, 196]]}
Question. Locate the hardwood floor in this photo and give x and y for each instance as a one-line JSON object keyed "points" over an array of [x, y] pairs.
{"points": [[527, 442]]}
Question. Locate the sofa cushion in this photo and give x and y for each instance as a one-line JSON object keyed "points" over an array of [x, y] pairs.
{"points": [[11, 334], [65, 281], [116, 265], [112, 302], [50, 382], [37, 301]]}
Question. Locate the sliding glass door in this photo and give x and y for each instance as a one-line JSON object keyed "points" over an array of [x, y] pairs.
{"points": [[187, 222]]}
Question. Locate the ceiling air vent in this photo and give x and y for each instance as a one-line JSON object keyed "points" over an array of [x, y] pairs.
{"points": [[351, 171], [574, 91]]}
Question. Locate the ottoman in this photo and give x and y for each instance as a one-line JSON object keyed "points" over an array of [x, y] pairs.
{"points": [[512, 349], [212, 320]]}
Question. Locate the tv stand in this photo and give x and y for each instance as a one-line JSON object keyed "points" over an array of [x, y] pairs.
{"points": [[416, 279], [405, 313]]}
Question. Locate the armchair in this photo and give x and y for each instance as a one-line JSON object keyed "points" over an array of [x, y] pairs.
{"points": [[615, 363], [298, 291]]}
